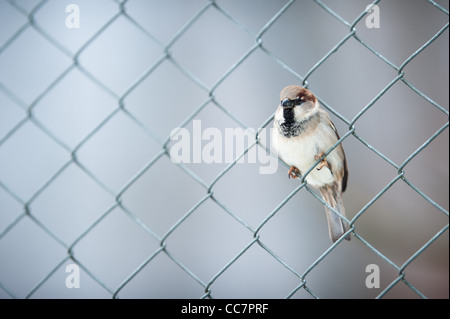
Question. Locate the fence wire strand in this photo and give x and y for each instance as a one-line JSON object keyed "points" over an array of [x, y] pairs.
{"points": [[166, 56]]}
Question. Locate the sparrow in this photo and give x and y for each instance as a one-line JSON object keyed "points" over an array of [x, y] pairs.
{"points": [[302, 134]]}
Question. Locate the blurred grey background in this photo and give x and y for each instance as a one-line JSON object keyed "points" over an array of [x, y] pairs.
{"points": [[85, 114]]}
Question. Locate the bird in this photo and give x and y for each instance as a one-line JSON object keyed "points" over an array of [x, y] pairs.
{"points": [[303, 133]]}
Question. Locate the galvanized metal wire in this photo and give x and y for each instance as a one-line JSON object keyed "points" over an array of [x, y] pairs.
{"points": [[166, 56]]}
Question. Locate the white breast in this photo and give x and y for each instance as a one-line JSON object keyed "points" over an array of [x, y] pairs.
{"points": [[299, 151]]}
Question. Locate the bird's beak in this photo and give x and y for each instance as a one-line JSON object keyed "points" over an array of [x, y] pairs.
{"points": [[286, 103]]}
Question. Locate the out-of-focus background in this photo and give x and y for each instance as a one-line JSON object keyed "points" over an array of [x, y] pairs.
{"points": [[86, 112]]}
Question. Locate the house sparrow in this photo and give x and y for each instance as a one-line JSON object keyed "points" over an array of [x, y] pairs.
{"points": [[303, 134]]}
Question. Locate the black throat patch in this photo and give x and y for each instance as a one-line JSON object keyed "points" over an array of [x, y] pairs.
{"points": [[290, 127], [288, 115]]}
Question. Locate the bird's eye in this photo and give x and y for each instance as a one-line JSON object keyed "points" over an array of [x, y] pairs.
{"points": [[298, 101]]}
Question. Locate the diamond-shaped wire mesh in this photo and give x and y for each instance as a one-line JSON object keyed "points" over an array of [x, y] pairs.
{"points": [[86, 176]]}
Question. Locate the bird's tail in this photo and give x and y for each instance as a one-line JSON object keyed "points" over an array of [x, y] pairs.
{"points": [[332, 195]]}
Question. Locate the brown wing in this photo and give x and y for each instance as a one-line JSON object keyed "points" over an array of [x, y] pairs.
{"points": [[345, 177]]}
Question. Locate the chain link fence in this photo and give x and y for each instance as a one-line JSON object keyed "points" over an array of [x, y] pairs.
{"points": [[85, 170]]}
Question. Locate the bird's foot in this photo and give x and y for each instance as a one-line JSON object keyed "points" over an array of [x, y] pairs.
{"points": [[322, 163], [293, 172]]}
